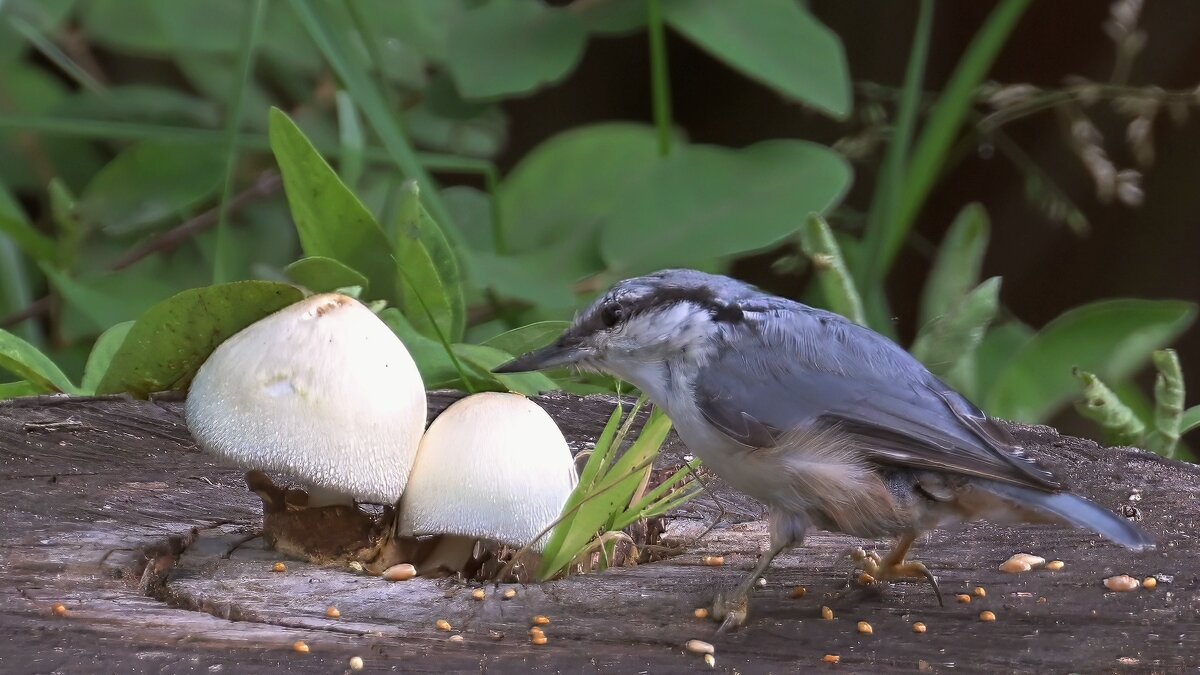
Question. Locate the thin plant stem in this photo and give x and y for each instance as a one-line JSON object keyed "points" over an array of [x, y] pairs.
{"points": [[660, 82]]}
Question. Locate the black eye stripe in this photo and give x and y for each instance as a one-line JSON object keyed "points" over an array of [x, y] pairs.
{"points": [[611, 314]]}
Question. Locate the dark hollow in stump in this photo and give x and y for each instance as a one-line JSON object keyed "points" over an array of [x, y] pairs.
{"points": [[108, 509]]}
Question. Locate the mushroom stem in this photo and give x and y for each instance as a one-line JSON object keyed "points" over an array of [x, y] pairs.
{"points": [[320, 496], [451, 554]]}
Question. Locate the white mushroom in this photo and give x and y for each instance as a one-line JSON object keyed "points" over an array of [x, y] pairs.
{"points": [[492, 466], [322, 391]]}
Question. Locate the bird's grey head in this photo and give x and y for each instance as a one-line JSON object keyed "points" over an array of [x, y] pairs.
{"points": [[645, 324]]}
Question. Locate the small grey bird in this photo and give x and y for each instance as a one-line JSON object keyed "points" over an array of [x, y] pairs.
{"points": [[827, 422]]}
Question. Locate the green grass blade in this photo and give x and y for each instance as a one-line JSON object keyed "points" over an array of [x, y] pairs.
{"points": [[1190, 420], [957, 266], [660, 82], [350, 135], [48, 49], [822, 248]]}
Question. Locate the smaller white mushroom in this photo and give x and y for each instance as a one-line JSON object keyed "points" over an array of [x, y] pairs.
{"points": [[492, 466], [322, 391]]}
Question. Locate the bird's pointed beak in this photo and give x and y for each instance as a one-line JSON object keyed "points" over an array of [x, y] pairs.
{"points": [[551, 356]]}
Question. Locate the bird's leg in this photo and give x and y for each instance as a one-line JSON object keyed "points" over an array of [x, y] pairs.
{"points": [[894, 566], [731, 608]]}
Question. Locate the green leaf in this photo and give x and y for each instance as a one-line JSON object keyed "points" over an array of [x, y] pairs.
{"points": [[505, 47], [1121, 426], [997, 350], [436, 368], [704, 202], [957, 266], [323, 275], [16, 292], [820, 246], [430, 267], [1190, 420], [528, 338], [17, 390], [31, 242], [25, 361], [151, 182], [166, 345], [777, 42], [331, 221], [1110, 338], [948, 343], [102, 354], [1168, 403]]}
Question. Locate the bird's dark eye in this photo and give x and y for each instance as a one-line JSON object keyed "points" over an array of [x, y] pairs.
{"points": [[611, 314]]}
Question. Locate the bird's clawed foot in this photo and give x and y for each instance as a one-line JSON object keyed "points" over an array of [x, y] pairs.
{"points": [[876, 571], [731, 610]]}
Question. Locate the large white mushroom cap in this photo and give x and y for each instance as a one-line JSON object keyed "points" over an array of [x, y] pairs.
{"points": [[491, 466], [321, 390]]}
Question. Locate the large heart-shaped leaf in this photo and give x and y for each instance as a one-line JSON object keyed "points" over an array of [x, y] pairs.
{"points": [[776, 42], [705, 202], [166, 345], [1111, 338]]}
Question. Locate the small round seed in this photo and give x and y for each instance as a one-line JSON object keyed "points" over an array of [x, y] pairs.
{"points": [[865, 579], [799, 592], [1012, 566], [963, 598], [700, 613], [919, 627], [1055, 565], [443, 624], [858, 554], [865, 628], [279, 567], [535, 631], [510, 594], [826, 613], [479, 594], [401, 572], [539, 639], [713, 560], [333, 612], [541, 620], [986, 615], [1149, 583], [710, 661], [59, 609], [356, 663], [979, 592], [1121, 583], [1042, 600], [832, 658], [761, 583], [699, 647], [300, 647], [456, 638]]}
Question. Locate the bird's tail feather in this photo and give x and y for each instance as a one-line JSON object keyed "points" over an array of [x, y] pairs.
{"points": [[1075, 511]]}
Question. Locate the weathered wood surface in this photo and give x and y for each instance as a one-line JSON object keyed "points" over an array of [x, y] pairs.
{"points": [[107, 508]]}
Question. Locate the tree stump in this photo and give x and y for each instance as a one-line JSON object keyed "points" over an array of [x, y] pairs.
{"points": [[114, 527]]}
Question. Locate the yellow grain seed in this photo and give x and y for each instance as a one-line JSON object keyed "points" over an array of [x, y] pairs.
{"points": [[479, 594], [510, 594], [826, 613], [865, 579], [332, 612], [1121, 583], [858, 554], [1012, 566], [539, 639], [963, 598], [865, 628], [987, 616], [832, 658], [59, 609], [799, 592], [279, 567], [980, 592], [401, 572], [699, 647], [541, 620], [356, 663], [534, 630], [919, 627], [1055, 565], [443, 624], [713, 560], [700, 613], [1042, 600], [456, 639], [1149, 583], [710, 661], [300, 647]]}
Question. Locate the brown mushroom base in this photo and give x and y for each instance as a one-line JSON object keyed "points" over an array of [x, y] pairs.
{"points": [[341, 535]]}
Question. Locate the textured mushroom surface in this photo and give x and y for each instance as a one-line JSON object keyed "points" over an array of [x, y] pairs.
{"points": [[322, 391]]}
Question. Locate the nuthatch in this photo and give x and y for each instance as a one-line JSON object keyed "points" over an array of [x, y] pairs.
{"points": [[827, 422]]}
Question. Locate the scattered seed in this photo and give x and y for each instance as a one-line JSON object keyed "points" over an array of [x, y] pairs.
{"points": [[443, 624], [832, 658], [858, 554], [300, 647], [986, 615], [541, 620], [1055, 565], [1128, 661], [357, 566], [1121, 582], [963, 598], [865, 628], [535, 631], [700, 613], [279, 567], [826, 613], [401, 572], [456, 638], [865, 579], [919, 627], [1014, 566], [699, 647], [1150, 583], [799, 592], [510, 594], [479, 594], [333, 612], [979, 592], [713, 560], [496, 635], [539, 639], [59, 609], [710, 661], [761, 583], [1042, 600], [356, 663]]}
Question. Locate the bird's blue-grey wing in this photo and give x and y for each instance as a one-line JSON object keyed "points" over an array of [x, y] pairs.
{"points": [[793, 368]]}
